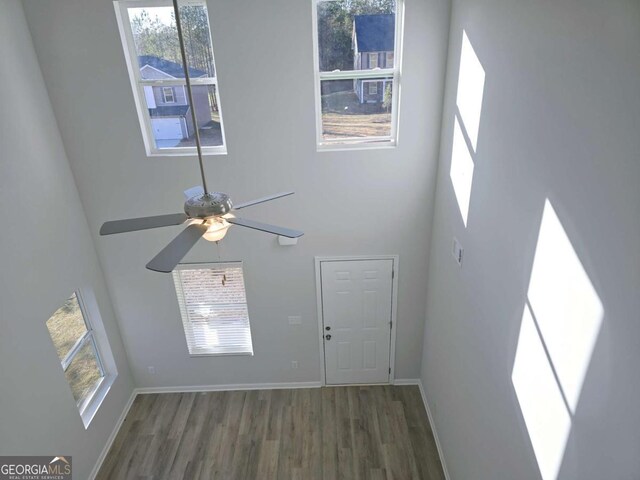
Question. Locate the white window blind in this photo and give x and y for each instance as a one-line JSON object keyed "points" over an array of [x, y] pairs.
{"points": [[213, 306]]}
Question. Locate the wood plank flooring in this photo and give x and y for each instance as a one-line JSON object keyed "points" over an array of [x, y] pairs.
{"points": [[363, 432]]}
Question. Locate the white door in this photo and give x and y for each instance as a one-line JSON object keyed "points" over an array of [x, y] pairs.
{"points": [[356, 315], [167, 128]]}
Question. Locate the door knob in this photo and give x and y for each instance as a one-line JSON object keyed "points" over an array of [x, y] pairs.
{"points": [[327, 328], [328, 337]]}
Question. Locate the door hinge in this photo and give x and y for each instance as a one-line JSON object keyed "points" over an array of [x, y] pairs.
{"points": [[389, 369], [390, 324], [393, 274]]}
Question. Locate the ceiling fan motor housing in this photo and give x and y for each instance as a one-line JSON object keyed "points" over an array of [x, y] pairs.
{"points": [[213, 204]]}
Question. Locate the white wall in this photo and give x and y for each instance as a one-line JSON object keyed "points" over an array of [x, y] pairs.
{"points": [[47, 253], [364, 202], [560, 121]]}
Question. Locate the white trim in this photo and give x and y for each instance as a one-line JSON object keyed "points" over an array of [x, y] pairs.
{"points": [[406, 381], [357, 74], [90, 407], [371, 55], [208, 265], [393, 73], [172, 94], [433, 430], [169, 77], [228, 387], [386, 59], [90, 403], [394, 307], [316, 71], [137, 83], [348, 147], [113, 435], [397, 67], [178, 81]]}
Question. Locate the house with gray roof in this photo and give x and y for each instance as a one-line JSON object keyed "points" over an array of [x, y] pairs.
{"points": [[168, 106], [373, 47]]}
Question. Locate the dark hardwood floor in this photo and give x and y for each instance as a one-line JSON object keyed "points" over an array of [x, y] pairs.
{"points": [[367, 432]]}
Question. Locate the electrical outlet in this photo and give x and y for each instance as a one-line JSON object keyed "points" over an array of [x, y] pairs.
{"points": [[457, 251], [295, 320], [294, 364], [152, 370]]}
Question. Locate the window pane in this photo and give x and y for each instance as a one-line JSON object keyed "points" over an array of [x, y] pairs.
{"points": [[156, 41], [356, 108], [349, 32], [171, 122], [84, 372], [66, 326]]}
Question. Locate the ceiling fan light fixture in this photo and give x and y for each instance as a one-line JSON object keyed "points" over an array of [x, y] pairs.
{"points": [[216, 228], [208, 214]]}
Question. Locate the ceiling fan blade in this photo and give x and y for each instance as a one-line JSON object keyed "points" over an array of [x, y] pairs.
{"points": [[265, 227], [171, 255], [262, 200], [193, 192], [142, 223]]}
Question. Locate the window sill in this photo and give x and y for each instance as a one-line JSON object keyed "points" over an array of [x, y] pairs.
{"points": [[97, 397], [175, 152], [233, 354], [341, 147]]}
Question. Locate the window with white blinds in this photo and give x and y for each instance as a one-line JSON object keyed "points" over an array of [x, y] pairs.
{"points": [[213, 305]]}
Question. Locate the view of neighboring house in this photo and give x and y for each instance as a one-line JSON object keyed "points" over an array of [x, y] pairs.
{"points": [[168, 105], [373, 45]]}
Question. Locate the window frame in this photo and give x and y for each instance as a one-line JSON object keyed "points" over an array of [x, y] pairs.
{"points": [[388, 55], [373, 83], [393, 74], [372, 55], [138, 84], [87, 337], [89, 405], [179, 293], [171, 93]]}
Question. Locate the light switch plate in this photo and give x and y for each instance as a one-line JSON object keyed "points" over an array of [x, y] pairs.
{"points": [[295, 320], [457, 251]]}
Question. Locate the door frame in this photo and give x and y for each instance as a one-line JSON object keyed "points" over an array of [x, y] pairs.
{"points": [[394, 307]]}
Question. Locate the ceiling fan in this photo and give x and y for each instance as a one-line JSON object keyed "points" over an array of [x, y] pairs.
{"points": [[208, 214]]}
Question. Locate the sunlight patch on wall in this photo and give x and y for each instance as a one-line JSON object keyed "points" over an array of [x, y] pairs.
{"points": [[565, 304], [470, 89], [467, 123], [561, 322], [543, 408], [461, 171]]}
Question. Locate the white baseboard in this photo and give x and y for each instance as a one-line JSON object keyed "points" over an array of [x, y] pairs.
{"points": [[114, 434], [406, 381], [224, 388], [433, 429]]}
